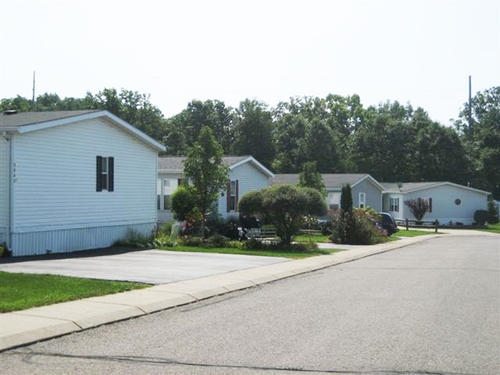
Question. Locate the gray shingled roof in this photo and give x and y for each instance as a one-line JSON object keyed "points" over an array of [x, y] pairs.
{"points": [[331, 181], [12, 121], [175, 164]]}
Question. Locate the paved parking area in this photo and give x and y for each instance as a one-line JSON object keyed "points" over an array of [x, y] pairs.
{"points": [[147, 266]]}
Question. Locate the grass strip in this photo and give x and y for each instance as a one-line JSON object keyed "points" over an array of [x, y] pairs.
{"points": [[236, 251], [314, 237], [492, 228], [413, 233], [19, 291]]}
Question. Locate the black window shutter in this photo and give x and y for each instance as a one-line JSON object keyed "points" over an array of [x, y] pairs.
{"points": [[98, 174], [111, 174]]}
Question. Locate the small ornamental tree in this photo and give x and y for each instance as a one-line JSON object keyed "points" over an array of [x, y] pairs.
{"points": [[284, 206], [418, 207], [207, 173], [346, 198]]}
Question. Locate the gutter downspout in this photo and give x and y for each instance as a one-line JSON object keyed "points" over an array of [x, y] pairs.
{"points": [[11, 193], [10, 217]]}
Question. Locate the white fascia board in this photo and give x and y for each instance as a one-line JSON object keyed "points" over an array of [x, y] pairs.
{"points": [[429, 187], [91, 116], [254, 161], [375, 182], [449, 184]]}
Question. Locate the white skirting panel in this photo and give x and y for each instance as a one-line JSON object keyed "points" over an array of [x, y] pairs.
{"points": [[68, 240]]}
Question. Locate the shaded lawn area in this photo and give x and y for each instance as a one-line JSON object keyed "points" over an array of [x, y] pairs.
{"points": [[19, 291], [236, 251], [413, 233]]}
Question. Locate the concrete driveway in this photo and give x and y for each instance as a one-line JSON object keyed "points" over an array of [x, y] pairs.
{"points": [[147, 266]]}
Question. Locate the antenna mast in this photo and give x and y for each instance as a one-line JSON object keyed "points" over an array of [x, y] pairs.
{"points": [[33, 97]]}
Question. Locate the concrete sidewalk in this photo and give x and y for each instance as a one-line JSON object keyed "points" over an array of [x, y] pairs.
{"points": [[40, 323]]}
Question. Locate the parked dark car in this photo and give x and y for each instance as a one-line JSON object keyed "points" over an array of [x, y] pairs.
{"points": [[387, 222]]}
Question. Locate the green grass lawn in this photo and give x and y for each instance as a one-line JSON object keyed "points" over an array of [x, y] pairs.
{"points": [[233, 250], [413, 233], [492, 228], [314, 237], [19, 291]]}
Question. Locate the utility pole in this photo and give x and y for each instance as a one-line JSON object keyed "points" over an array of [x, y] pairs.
{"points": [[470, 107], [33, 97]]}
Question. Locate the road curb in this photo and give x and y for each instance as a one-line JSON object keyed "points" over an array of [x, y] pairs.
{"points": [[25, 327]]}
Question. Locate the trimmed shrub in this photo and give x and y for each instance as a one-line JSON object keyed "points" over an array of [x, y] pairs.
{"points": [[183, 203], [357, 227], [481, 217], [218, 240]]}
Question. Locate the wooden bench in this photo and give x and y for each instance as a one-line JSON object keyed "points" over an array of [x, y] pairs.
{"points": [[267, 232]]}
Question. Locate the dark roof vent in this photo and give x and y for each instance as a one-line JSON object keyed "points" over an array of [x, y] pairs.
{"points": [[10, 112]]}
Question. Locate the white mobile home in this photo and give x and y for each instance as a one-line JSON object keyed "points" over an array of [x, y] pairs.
{"points": [[366, 191], [449, 203], [73, 180], [245, 174]]}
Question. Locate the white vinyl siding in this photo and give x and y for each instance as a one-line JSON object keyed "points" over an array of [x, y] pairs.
{"points": [[444, 208], [249, 179], [55, 185], [4, 189], [372, 195]]}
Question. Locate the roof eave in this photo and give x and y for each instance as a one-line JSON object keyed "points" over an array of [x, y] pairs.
{"points": [[254, 161], [90, 116]]}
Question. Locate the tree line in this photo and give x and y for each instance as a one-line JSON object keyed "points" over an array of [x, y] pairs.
{"points": [[392, 142]]}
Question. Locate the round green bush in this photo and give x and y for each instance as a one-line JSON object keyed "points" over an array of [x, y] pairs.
{"points": [[481, 217]]}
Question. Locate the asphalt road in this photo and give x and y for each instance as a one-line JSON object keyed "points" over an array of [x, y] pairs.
{"points": [[146, 266], [429, 308]]}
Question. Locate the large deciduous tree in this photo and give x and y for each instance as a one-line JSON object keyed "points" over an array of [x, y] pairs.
{"points": [[253, 132], [310, 177], [212, 113], [483, 144]]}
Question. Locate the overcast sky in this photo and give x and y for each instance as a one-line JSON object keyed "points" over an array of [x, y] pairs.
{"points": [[416, 51]]}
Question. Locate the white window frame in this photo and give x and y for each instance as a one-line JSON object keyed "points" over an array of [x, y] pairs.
{"points": [[232, 196], [362, 200], [394, 204]]}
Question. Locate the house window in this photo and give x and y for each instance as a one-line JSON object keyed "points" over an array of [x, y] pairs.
{"points": [[362, 200], [333, 200], [165, 188], [105, 172], [394, 204], [232, 196]]}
